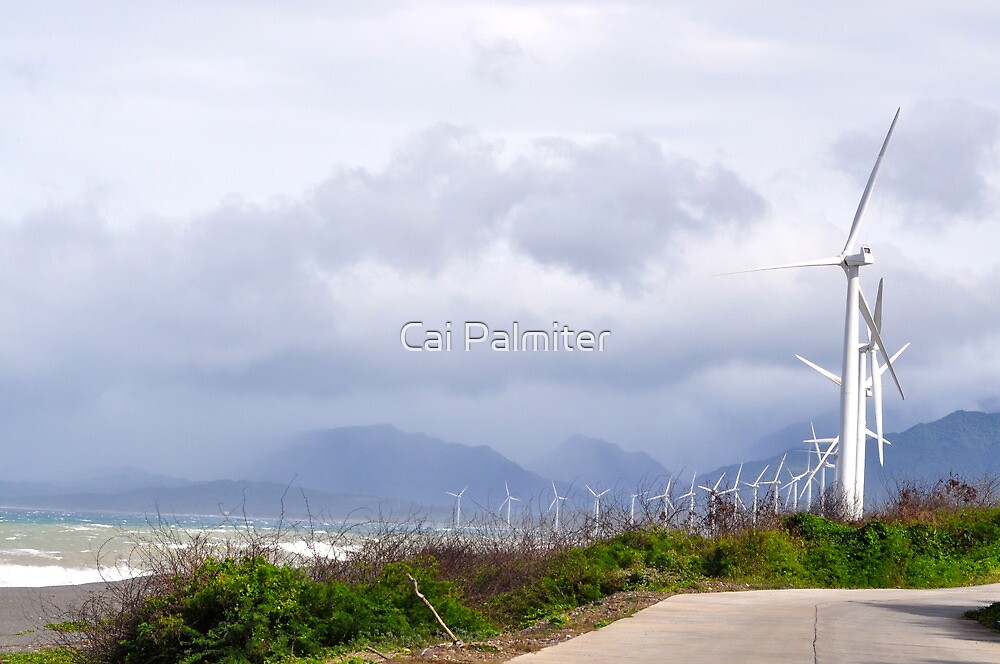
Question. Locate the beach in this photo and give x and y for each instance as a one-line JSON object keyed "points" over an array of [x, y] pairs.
{"points": [[24, 612]]}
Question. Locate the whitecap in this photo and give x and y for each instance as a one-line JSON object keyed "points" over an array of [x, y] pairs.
{"points": [[32, 576]]}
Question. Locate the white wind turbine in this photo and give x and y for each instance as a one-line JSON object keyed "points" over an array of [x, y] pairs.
{"points": [[631, 512], [557, 501], [867, 386], [508, 500], [597, 506], [822, 458], [793, 489], [666, 499], [458, 506], [755, 485], [852, 263], [691, 496], [776, 482], [735, 489], [713, 493]]}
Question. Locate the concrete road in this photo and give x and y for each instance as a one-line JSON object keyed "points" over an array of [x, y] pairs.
{"points": [[821, 626]]}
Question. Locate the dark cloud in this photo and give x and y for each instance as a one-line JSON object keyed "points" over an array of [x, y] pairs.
{"points": [[943, 156], [603, 210]]}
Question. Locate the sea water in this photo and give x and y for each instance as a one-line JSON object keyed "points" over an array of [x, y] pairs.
{"points": [[49, 547]]}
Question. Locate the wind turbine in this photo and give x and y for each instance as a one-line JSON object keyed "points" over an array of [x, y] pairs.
{"points": [[712, 495], [690, 495], [458, 505], [597, 506], [508, 501], [776, 482], [666, 498], [631, 513], [557, 503], [755, 485], [852, 263], [867, 386], [735, 489]]}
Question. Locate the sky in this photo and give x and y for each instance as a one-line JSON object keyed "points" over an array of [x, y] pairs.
{"points": [[215, 219]]}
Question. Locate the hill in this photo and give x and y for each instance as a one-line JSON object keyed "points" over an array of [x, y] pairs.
{"points": [[381, 460], [580, 460], [964, 443]]}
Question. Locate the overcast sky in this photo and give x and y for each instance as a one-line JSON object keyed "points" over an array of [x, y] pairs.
{"points": [[216, 217]]}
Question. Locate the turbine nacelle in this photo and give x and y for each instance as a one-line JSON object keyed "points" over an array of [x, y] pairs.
{"points": [[865, 257]]}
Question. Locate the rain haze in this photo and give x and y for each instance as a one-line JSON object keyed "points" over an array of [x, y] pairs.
{"points": [[216, 218]]}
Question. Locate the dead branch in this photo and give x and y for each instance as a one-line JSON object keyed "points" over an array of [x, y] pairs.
{"points": [[454, 639]]}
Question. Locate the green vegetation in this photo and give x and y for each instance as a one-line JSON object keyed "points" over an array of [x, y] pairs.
{"points": [[988, 616], [67, 626], [48, 656], [249, 608], [805, 551]]}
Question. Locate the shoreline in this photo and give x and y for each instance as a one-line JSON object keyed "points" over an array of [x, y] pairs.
{"points": [[24, 612]]}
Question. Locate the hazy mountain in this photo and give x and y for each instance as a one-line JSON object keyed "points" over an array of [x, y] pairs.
{"points": [[580, 461], [963, 443], [121, 479], [381, 460]]}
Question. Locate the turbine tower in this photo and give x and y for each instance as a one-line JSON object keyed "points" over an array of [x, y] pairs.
{"points": [[851, 263], [458, 506], [597, 507], [508, 500]]}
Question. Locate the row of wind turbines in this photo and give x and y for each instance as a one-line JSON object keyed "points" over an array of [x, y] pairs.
{"points": [[863, 365]]}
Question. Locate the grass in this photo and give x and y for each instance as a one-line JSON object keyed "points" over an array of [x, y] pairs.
{"points": [[48, 656], [68, 626]]}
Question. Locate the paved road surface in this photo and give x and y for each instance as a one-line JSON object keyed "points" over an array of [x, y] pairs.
{"points": [[821, 626]]}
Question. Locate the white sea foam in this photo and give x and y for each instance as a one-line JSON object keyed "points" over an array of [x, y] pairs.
{"points": [[35, 553], [38, 576], [318, 549]]}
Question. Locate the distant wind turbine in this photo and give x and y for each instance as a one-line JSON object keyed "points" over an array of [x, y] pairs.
{"points": [[458, 506], [666, 498], [556, 502], [508, 501], [690, 495], [597, 506]]}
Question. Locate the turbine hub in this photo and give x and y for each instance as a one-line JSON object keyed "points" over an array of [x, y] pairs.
{"points": [[864, 258]]}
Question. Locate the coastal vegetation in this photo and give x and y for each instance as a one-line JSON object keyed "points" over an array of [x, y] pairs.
{"points": [[250, 601]]}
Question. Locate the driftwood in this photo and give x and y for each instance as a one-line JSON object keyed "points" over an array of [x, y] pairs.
{"points": [[380, 654], [454, 639]]}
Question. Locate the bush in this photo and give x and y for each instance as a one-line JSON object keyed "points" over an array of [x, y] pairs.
{"points": [[252, 610]]}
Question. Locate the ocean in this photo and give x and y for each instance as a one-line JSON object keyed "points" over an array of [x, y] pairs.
{"points": [[52, 548]]}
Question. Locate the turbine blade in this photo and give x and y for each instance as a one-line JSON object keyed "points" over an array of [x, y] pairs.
{"points": [[895, 356], [856, 226], [757, 481], [831, 260], [829, 374], [878, 306], [867, 314], [877, 395]]}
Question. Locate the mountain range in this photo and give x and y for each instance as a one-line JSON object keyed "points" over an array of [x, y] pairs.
{"points": [[360, 471]]}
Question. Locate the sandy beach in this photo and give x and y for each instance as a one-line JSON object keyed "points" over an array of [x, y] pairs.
{"points": [[24, 612]]}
